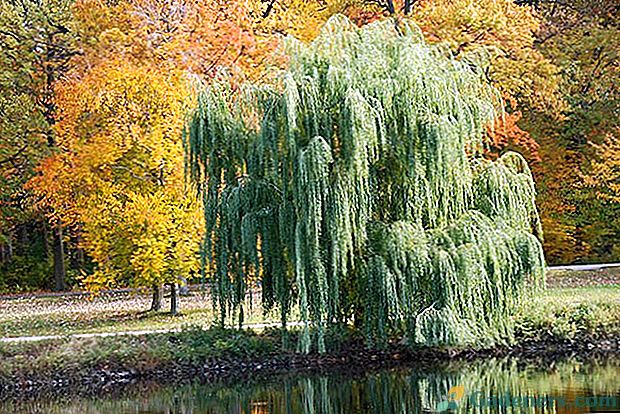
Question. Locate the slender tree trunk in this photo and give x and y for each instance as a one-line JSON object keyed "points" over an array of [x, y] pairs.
{"points": [[60, 272], [24, 240], [174, 299], [6, 250], [77, 253], [156, 304], [46, 242], [9, 247], [80, 251]]}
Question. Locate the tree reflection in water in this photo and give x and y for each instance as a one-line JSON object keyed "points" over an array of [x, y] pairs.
{"points": [[402, 391]]}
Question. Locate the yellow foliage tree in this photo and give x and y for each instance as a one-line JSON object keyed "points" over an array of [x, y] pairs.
{"points": [[602, 196], [301, 19], [120, 175], [604, 174], [503, 33]]}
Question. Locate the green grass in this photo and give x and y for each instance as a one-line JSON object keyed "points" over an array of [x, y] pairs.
{"points": [[557, 312], [190, 346], [59, 324], [566, 313]]}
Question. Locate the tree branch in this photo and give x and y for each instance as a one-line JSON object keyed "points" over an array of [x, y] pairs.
{"points": [[12, 158], [408, 6], [269, 8]]}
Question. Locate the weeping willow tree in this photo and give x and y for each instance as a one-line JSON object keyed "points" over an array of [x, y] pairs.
{"points": [[357, 188]]}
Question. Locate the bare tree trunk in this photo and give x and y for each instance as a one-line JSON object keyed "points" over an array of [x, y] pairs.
{"points": [[174, 299], [60, 272], [80, 250], [24, 240], [156, 304], [46, 239]]}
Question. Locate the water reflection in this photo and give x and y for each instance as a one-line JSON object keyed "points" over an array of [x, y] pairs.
{"points": [[569, 385]]}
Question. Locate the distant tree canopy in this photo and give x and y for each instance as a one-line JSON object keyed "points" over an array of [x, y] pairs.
{"points": [[357, 187], [555, 64]]}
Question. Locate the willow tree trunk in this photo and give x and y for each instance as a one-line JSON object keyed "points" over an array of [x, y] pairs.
{"points": [[174, 299], [60, 272], [156, 303]]}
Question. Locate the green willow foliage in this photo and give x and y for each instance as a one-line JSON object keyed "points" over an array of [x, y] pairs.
{"points": [[356, 187]]}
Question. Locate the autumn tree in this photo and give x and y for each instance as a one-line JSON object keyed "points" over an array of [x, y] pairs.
{"points": [[202, 38], [121, 176], [583, 38], [602, 192]]}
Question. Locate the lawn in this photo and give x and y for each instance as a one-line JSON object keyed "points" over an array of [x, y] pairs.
{"points": [[565, 313], [63, 315], [585, 313], [559, 310]]}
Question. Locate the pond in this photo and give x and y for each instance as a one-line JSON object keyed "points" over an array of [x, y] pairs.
{"points": [[491, 386]]}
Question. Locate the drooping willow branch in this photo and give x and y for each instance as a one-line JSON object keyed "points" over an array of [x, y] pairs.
{"points": [[357, 188]]}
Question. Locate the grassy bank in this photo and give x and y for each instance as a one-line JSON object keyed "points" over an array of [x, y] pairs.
{"points": [[108, 313], [558, 321], [570, 313]]}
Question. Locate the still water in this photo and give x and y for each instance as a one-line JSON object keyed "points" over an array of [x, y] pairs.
{"points": [[491, 386]]}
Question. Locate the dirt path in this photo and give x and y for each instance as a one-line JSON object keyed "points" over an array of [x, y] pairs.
{"points": [[257, 326]]}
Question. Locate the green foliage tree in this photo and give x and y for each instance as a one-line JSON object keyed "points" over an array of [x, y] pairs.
{"points": [[38, 40], [357, 187]]}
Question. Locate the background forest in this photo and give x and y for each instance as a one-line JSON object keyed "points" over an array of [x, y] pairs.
{"points": [[95, 95]]}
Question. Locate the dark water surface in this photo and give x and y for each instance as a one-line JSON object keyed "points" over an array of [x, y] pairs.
{"points": [[491, 386]]}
